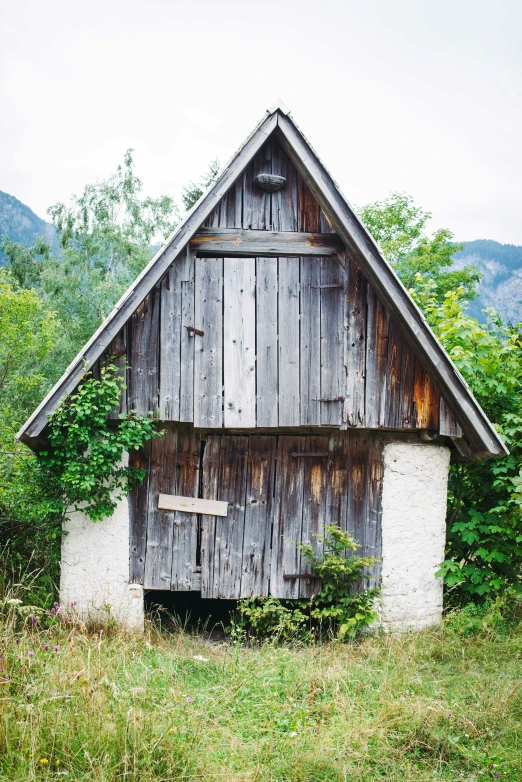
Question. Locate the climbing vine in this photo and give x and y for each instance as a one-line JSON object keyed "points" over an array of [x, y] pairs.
{"points": [[83, 461]]}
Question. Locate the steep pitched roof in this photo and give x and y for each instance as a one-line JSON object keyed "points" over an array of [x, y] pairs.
{"points": [[482, 440]]}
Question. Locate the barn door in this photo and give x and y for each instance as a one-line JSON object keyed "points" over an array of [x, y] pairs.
{"points": [[235, 550]]}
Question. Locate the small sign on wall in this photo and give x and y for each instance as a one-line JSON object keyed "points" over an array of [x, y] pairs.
{"points": [[192, 505]]}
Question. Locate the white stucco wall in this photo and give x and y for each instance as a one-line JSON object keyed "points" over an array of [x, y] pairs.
{"points": [[413, 534], [95, 569]]}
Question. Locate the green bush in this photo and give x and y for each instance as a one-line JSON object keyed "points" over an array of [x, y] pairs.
{"points": [[342, 607]]}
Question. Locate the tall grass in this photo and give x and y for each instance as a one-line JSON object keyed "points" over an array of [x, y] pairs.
{"points": [[104, 706]]}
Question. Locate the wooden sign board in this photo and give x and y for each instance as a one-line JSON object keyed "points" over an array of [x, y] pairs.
{"points": [[192, 505]]}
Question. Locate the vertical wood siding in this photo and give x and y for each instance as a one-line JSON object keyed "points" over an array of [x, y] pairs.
{"points": [[285, 341]]}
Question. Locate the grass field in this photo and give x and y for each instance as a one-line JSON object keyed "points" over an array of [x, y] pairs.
{"points": [[440, 705]]}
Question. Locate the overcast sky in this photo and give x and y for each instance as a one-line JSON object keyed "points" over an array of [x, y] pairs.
{"points": [[405, 95]]}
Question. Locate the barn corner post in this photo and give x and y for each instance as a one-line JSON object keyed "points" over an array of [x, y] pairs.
{"points": [[414, 501], [95, 575]]}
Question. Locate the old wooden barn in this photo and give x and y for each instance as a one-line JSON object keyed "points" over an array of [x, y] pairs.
{"points": [[299, 386]]}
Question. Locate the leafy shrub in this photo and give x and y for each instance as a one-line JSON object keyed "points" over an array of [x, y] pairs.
{"points": [[342, 606], [484, 550]]}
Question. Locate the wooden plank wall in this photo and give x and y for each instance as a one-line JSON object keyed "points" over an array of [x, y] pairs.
{"points": [[283, 342], [281, 490]]}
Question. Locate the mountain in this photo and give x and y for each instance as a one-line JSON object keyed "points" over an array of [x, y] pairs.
{"points": [[20, 223], [501, 286]]}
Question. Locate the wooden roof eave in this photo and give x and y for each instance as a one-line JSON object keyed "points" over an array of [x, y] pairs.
{"points": [[483, 439], [150, 275]]}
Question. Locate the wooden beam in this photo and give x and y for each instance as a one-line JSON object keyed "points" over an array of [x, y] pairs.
{"points": [[237, 241], [192, 505]]}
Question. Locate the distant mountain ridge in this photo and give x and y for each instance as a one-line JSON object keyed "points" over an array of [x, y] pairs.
{"points": [[20, 223], [501, 286], [501, 264]]}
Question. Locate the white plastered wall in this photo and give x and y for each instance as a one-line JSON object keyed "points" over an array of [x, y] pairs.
{"points": [[413, 534], [95, 569]]}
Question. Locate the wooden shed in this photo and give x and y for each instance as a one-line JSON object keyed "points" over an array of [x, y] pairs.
{"points": [[299, 386]]}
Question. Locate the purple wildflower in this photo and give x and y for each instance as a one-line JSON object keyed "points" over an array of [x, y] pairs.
{"points": [[17, 640], [7, 678], [56, 649], [30, 654], [189, 699], [46, 646], [34, 619], [497, 776]]}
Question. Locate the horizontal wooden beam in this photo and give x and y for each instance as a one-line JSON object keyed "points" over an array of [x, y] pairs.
{"points": [[192, 505], [236, 241]]}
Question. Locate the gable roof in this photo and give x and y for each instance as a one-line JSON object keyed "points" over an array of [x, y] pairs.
{"points": [[481, 438]]}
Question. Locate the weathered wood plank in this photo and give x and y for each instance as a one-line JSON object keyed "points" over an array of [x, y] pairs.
{"points": [[355, 346], [258, 516], [208, 361], [117, 355], [186, 386], [170, 346], [228, 551], [285, 201], [162, 479], [309, 209], [267, 342], [426, 399], [239, 346], [192, 505], [143, 355], [448, 425], [185, 526], [333, 373], [259, 200], [376, 361], [210, 487], [241, 242], [287, 517], [288, 365], [310, 348], [393, 377], [406, 414], [138, 508], [314, 506], [357, 494], [373, 526]]}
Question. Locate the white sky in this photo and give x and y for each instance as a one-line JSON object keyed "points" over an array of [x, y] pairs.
{"points": [[406, 95]]}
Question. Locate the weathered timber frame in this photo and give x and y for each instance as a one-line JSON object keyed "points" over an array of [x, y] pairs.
{"points": [[480, 439]]}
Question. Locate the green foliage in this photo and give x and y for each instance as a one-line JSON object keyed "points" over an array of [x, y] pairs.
{"points": [[484, 553], [340, 606], [399, 227], [192, 192], [85, 450], [28, 333], [106, 237]]}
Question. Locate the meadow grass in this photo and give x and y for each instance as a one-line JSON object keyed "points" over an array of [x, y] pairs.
{"points": [[103, 706]]}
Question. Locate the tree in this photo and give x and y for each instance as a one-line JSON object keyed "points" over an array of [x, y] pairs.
{"points": [[106, 236], [399, 227], [192, 192]]}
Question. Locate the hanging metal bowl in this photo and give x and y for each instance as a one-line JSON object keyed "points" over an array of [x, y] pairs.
{"points": [[270, 183]]}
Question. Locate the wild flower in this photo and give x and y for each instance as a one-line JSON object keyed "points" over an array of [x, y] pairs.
{"points": [[189, 699], [200, 657], [46, 646], [44, 761], [34, 619], [56, 648], [30, 654]]}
